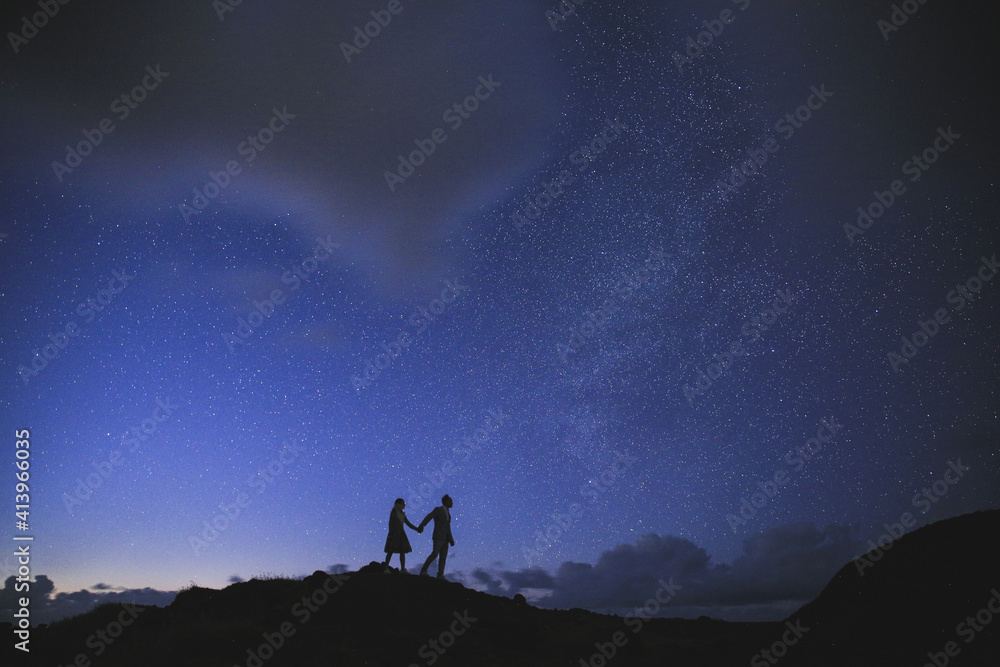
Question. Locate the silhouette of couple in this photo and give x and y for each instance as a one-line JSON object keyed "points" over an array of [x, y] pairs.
{"points": [[397, 543]]}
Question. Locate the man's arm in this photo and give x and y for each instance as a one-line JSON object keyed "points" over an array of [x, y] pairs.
{"points": [[430, 515]]}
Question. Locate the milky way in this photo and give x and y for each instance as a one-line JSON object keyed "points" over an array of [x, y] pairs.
{"points": [[701, 291]]}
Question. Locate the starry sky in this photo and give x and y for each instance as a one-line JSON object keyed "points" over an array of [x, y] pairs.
{"points": [[601, 275]]}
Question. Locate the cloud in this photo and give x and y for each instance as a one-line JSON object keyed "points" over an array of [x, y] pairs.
{"points": [[46, 607], [40, 590], [493, 585], [779, 570], [327, 167], [534, 577]]}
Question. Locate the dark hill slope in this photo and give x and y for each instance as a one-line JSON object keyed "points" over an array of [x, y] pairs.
{"points": [[375, 619], [910, 600], [905, 605]]}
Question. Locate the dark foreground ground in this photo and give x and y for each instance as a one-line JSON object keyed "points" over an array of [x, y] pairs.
{"points": [[917, 601]]}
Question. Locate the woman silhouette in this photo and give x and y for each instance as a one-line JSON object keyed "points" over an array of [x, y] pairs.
{"points": [[397, 542]]}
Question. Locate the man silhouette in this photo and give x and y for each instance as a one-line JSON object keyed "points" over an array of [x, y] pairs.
{"points": [[442, 534]]}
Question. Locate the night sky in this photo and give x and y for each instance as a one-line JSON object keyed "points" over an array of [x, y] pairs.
{"points": [[256, 262]]}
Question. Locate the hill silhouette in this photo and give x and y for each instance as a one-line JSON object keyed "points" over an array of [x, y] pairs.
{"points": [[891, 609], [910, 601]]}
